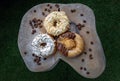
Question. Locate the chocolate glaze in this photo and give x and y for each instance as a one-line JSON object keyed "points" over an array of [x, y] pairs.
{"points": [[69, 35], [62, 49]]}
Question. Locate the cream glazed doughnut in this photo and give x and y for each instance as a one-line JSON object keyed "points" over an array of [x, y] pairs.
{"points": [[43, 45], [56, 23]]}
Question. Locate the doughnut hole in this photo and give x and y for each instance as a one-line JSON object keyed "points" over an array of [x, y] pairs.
{"points": [[43, 44]]}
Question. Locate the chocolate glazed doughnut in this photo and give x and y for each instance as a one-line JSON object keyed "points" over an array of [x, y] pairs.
{"points": [[70, 44]]}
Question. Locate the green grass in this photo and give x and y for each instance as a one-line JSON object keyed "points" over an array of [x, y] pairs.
{"points": [[12, 67]]}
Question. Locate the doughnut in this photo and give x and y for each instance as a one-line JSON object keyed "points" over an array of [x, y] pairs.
{"points": [[70, 44], [43, 45], [56, 23]]}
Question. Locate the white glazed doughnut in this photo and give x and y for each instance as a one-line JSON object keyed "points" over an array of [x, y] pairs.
{"points": [[56, 23], [43, 45]]}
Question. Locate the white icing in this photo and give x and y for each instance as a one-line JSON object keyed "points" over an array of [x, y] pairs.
{"points": [[40, 50]]}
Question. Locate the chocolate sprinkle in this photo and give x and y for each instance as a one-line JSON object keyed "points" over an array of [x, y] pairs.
{"points": [[73, 10], [85, 69], [81, 68], [58, 9], [25, 53], [87, 32], [82, 60], [34, 11], [90, 56], [84, 21], [34, 20], [33, 54], [41, 21], [91, 43], [33, 31], [35, 60], [40, 26], [48, 10], [90, 49], [45, 9], [44, 58], [85, 53], [35, 25], [87, 72], [31, 24], [50, 7], [38, 63], [43, 13], [48, 4], [80, 26], [81, 15]]}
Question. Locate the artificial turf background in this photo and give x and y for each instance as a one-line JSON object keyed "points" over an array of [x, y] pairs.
{"points": [[12, 67]]}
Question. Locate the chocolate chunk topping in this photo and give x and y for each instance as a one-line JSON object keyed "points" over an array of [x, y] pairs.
{"points": [[69, 35], [73, 10], [66, 52], [62, 49]]}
